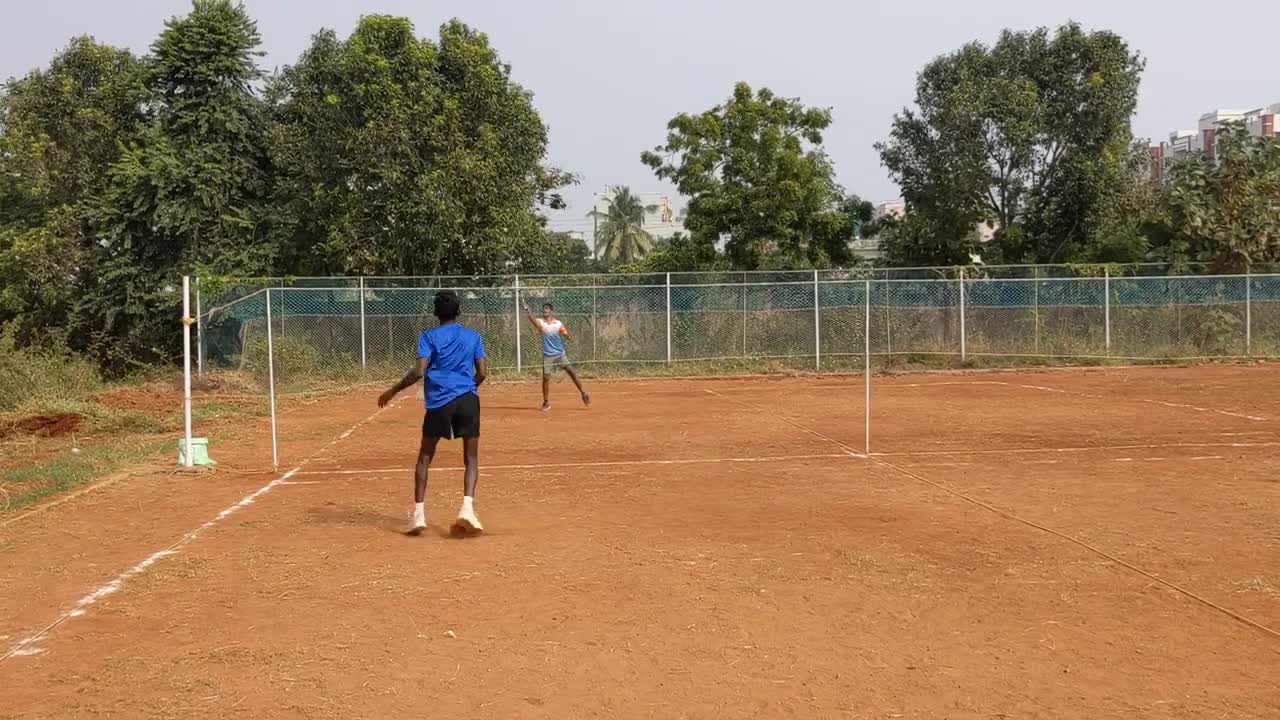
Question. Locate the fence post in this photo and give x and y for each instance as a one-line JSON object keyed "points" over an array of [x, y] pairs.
{"points": [[744, 315], [668, 318], [271, 382], [1248, 310], [594, 332], [888, 318], [817, 326], [519, 352], [964, 349], [1106, 306], [188, 461], [866, 367], [1035, 306], [364, 356], [199, 334]]}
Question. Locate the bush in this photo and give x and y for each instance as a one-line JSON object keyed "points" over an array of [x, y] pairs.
{"points": [[36, 374]]}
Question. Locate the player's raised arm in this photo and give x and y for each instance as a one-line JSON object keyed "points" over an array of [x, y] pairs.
{"points": [[537, 321], [416, 373]]}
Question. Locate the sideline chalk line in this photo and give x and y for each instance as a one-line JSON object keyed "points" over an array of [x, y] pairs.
{"points": [[602, 463], [29, 645]]}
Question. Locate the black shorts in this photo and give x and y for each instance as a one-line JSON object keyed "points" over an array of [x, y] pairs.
{"points": [[459, 418]]}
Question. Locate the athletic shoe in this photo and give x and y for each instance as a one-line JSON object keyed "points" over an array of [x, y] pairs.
{"points": [[467, 522], [586, 399], [417, 523], [546, 406]]}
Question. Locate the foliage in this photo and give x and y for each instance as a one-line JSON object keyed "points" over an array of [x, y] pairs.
{"points": [[41, 374], [620, 235], [754, 169], [1031, 134], [61, 129], [398, 155], [681, 253], [1227, 213]]}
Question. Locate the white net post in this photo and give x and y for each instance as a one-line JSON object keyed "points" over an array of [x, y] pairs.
{"points": [[364, 355], [519, 354], [1248, 311], [866, 367], [199, 334], [964, 349], [817, 326], [668, 318], [188, 460], [271, 383], [1106, 308]]}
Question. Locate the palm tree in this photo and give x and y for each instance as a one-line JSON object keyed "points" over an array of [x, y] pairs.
{"points": [[620, 233]]}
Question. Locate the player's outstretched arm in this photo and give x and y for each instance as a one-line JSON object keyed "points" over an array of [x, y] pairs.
{"points": [[415, 374]]}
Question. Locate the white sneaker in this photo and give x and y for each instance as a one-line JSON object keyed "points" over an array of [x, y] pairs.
{"points": [[417, 523], [467, 522]]}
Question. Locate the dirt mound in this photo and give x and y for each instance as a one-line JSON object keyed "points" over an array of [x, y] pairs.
{"points": [[160, 398], [42, 425]]}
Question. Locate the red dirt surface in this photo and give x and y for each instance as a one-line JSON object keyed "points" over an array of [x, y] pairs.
{"points": [[160, 398], [48, 426], [1020, 545]]}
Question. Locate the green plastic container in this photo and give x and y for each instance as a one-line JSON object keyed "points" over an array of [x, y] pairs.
{"points": [[199, 452]]}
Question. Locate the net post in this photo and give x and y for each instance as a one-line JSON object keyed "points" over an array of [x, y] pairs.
{"points": [[271, 383], [1248, 310], [668, 318], [866, 367], [817, 326], [188, 461], [199, 334], [519, 355], [1106, 307], [364, 355], [964, 348]]}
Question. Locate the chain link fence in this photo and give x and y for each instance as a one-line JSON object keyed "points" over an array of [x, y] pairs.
{"points": [[309, 335]]}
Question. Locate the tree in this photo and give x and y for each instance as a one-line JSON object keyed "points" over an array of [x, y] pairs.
{"points": [[620, 235], [679, 253], [61, 129], [189, 194], [754, 169], [1032, 135], [1226, 212], [400, 155]]}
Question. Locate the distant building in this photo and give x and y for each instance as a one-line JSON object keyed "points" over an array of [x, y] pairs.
{"points": [[1202, 142], [661, 222]]}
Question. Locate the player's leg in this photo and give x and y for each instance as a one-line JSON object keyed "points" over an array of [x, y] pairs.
{"points": [[426, 452], [548, 367], [466, 425], [577, 381]]}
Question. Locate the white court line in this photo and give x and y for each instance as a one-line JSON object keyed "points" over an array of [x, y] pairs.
{"points": [[605, 463], [28, 646], [1165, 403], [1094, 448]]}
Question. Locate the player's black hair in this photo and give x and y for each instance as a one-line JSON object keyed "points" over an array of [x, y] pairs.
{"points": [[547, 306], [446, 306]]}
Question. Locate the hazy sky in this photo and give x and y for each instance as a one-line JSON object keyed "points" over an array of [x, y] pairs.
{"points": [[607, 75]]}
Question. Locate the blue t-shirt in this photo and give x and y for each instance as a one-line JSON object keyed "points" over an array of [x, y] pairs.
{"points": [[451, 351]]}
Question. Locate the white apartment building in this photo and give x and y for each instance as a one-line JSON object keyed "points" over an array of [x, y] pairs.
{"points": [[661, 222], [1260, 122]]}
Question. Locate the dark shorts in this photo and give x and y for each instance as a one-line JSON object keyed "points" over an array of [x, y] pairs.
{"points": [[459, 418]]}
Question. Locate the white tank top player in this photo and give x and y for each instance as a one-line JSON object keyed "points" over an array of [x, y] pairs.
{"points": [[554, 336]]}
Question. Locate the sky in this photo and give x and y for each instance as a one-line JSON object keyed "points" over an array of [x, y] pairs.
{"points": [[607, 76]]}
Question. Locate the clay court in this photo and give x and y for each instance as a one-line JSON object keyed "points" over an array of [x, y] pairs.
{"points": [[1054, 544]]}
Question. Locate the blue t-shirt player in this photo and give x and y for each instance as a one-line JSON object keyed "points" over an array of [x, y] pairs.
{"points": [[452, 366]]}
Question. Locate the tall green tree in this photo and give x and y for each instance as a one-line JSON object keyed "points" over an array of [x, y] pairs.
{"points": [[61, 128], [1032, 135], [620, 235], [190, 193], [1226, 212], [402, 155], [754, 169]]}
